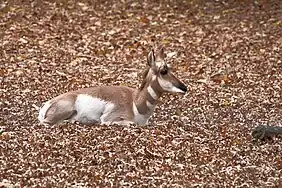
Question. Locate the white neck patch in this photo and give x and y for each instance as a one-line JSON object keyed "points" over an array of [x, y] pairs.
{"points": [[140, 119], [150, 106], [152, 92]]}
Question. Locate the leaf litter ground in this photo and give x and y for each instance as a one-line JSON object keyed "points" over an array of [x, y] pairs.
{"points": [[228, 53]]}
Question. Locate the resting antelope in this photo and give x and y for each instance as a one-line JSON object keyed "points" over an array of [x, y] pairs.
{"points": [[115, 104]]}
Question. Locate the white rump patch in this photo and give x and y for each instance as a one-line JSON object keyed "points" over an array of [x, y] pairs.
{"points": [[90, 109], [168, 86], [42, 111]]}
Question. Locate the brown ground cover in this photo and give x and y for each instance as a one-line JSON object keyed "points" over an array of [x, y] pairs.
{"points": [[228, 53]]}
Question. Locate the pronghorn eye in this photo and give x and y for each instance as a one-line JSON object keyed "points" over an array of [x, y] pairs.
{"points": [[163, 71]]}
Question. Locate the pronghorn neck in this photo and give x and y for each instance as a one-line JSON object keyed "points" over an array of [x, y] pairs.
{"points": [[148, 95]]}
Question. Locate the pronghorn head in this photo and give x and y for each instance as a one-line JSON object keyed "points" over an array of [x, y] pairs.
{"points": [[160, 71]]}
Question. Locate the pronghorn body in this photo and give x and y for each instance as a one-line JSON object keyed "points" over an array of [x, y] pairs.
{"points": [[115, 104]]}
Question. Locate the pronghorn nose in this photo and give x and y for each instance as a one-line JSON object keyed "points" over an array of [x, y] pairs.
{"points": [[183, 87]]}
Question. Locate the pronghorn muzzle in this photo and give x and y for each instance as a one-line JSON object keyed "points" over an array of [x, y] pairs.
{"points": [[182, 87]]}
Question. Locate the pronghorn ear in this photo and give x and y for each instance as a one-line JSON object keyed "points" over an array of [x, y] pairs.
{"points": [[151, 59], [161, 54]]}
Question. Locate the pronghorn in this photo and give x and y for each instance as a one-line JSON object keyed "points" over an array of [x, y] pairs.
{"points": [[115, 104]]}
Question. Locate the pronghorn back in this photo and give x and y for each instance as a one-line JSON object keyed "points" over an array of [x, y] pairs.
{"points": [[115, 104]]}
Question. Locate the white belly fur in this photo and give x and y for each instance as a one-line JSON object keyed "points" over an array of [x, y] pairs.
{"points": [[90, 109]]}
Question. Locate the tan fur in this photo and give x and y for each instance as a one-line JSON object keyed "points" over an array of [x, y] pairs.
{"points": [[128, 104], [122, 96], [144, 96], [60, 111]]}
